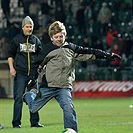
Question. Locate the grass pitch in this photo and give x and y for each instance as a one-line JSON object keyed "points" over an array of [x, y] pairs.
{"points": [[110, 115]]}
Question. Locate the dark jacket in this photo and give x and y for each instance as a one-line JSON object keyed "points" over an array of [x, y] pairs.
{"points": [[24, 53], [59, 63]]}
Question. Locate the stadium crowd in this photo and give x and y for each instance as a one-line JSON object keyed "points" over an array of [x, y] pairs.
{"points": [[89, 23]]}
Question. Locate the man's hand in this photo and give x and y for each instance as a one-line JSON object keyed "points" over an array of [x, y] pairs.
{"points": [[113, 56], [32, 78], [12, 71], [105, 55], [32, 82]]}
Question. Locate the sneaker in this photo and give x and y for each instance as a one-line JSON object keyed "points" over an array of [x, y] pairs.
{"points": [[68, 130], [17, 126], [37, 125]]}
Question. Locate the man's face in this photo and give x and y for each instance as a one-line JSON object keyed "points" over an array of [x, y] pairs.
{"points": [[27, 29], [58, 39]]}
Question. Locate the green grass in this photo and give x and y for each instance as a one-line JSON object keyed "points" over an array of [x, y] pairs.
{"points": [[110, 115]]}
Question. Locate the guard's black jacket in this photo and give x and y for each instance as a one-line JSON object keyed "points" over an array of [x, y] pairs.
{"points": [[23, 49]]}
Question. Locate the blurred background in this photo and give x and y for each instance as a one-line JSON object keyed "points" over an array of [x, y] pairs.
{"points": [[101, 24]]}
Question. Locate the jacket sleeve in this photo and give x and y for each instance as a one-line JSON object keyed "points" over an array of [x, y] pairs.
{"points": [[12, 50], [89, 52], [39, 47]]}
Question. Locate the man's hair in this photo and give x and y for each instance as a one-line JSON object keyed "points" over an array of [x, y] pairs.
{"points": [[55, 28]]}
